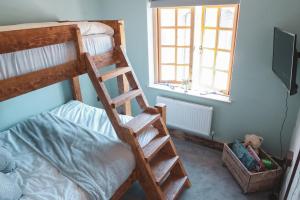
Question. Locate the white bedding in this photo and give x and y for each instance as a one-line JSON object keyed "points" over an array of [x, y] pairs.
{"points": [[97, 39], [40, 180], [97, 120]]}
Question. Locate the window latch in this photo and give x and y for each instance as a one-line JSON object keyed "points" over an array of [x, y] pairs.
{"points": [[200, 49]]}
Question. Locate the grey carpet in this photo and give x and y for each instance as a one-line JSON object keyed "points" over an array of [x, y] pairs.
{"points": [[210, 180]]}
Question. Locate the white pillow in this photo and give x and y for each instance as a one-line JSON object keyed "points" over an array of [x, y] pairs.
{"points": [[92, 28], [9, 188]]}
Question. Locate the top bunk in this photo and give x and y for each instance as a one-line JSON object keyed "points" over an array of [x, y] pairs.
{"points": [[36, 55]]}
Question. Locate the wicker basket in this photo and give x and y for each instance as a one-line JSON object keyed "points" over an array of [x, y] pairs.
{"points": [[249, 181]]}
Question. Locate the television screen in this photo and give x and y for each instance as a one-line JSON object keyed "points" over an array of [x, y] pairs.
{"points": [[285, 58]]}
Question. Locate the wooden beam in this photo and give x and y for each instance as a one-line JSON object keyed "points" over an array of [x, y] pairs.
{"points": [[162, 109], [81, 66], [123, 84], [12, 41], [106, 59], [197, 139], [75, 85], [16, 86]]}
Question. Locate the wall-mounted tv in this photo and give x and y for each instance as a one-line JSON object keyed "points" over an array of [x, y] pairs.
{"points": [[285, 57]]}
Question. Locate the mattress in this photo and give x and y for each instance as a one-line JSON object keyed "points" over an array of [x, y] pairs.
{"points": [[39, 179], [97, 39]]}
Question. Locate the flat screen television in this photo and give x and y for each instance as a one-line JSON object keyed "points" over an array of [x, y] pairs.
{"points": [[285, 58]]}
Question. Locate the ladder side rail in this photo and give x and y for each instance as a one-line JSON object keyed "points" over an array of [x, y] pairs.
{"points": [[146, 178], [104, 98]]}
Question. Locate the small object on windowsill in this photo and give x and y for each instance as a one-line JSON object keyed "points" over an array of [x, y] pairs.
{"points": [[186, 84], [193, 92]]}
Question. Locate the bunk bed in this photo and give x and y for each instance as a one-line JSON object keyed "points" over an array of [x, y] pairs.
{"points": [[33, 56]]}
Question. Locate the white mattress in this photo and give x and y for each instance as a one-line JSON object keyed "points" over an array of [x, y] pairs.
{"points": [[38, 178], [22, 62]]}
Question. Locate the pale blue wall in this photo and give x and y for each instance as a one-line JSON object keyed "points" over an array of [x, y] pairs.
{"points": [[258, 96], [16, 11]]}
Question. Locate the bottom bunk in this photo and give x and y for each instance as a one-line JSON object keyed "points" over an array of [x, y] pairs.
{"points": [[50, 151]]}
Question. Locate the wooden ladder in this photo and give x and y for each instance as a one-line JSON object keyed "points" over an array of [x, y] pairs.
{"points": [[161, 172]]}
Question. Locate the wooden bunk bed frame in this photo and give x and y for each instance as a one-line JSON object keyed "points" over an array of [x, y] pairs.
{"points": [[17, 40]]}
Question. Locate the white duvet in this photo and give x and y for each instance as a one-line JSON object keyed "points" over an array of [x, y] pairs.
{"points": [[42, 181]]}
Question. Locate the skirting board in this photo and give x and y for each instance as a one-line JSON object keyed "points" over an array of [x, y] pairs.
{"points": [[196, 139]]}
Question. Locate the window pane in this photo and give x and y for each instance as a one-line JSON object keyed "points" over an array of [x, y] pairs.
{"points": [[211, 17], [209, 38], [207, 58], [167, 55], [227, 17], [184, 17], [206, 77], [167, 17], [183, 55], [223, 60], [221, 79], [182, 73], [168, 36], [225, 38], [167, 72], [183, 37]]}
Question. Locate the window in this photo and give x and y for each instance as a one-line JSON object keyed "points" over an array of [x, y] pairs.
{"points": [[195, 46], [175, 44]]}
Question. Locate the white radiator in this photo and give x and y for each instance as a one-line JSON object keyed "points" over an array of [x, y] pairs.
{"points": [[188, 116]]}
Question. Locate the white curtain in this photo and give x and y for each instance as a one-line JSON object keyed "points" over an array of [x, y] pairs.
{"points": [[174, 3]]}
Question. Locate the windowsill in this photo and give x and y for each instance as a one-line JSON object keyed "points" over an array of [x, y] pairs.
{"points": [[212, 96]]}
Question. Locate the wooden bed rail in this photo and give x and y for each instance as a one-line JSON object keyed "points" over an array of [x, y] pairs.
{"points": [[18, 40]]}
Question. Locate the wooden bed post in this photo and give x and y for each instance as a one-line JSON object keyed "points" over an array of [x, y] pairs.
{"points": [[123, 85], [75, 85], [81, 66], [119, 40], [162, 109]]}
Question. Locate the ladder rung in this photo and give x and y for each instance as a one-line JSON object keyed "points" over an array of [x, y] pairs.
{"points": [[173, 186], [154, 146], [141, 122], [162, 165], [147, 136], [106, 59], [114, 73], [120, 100]]}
